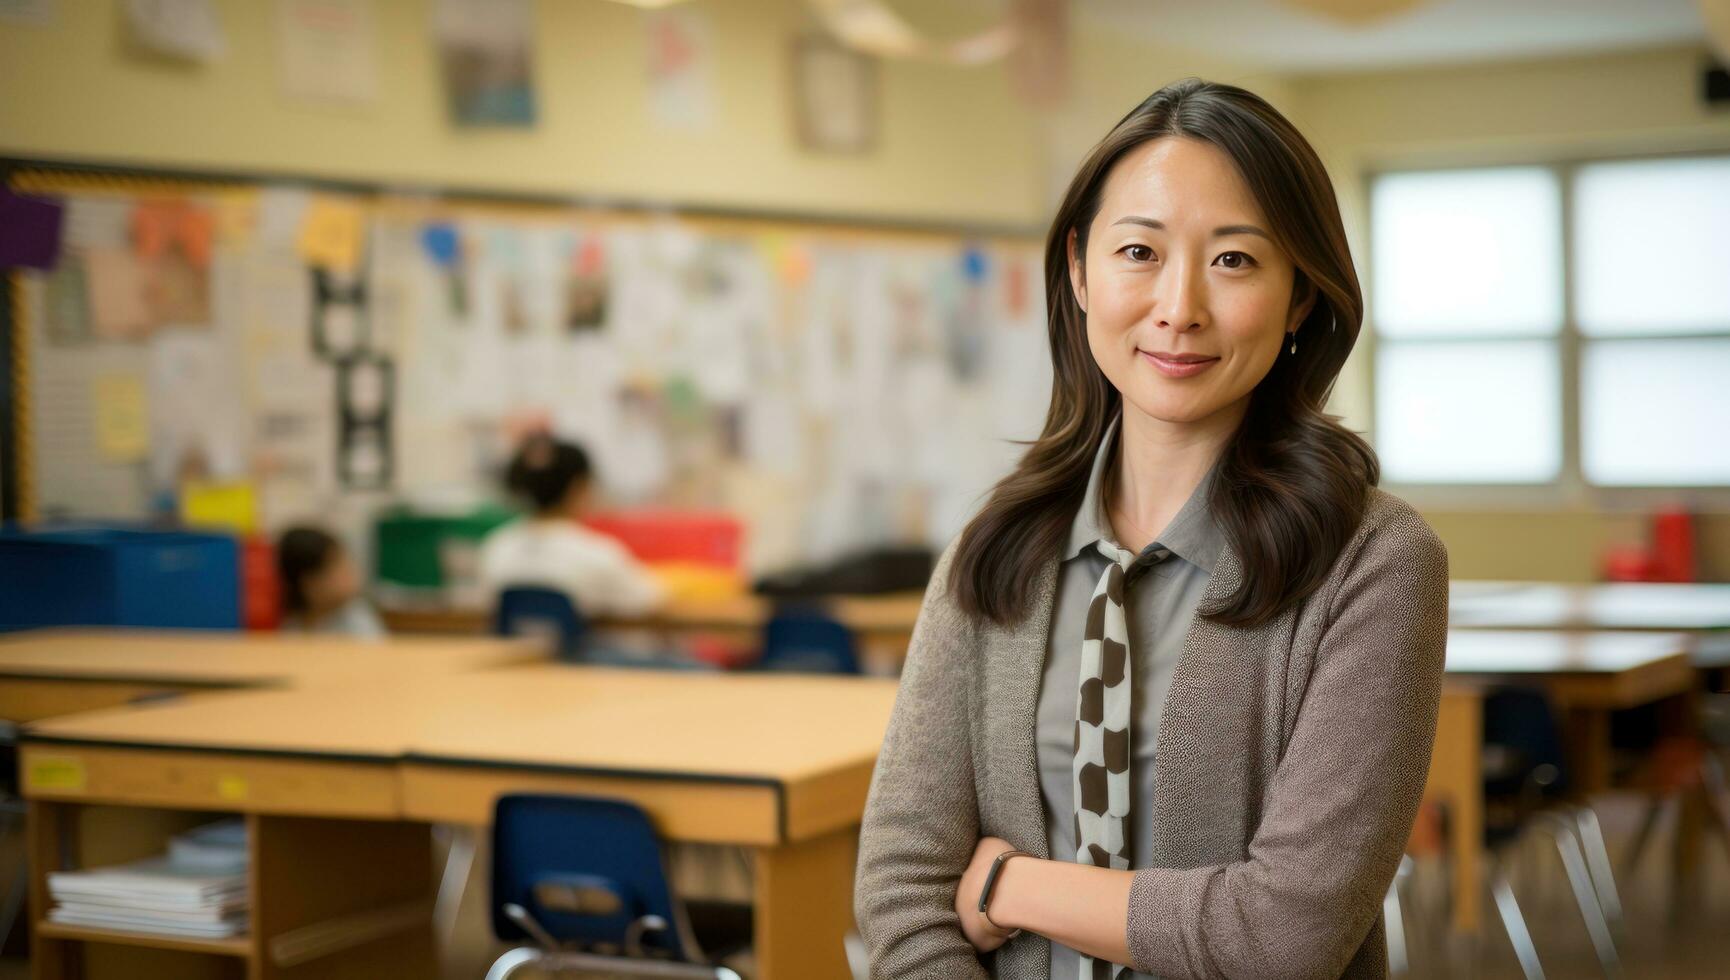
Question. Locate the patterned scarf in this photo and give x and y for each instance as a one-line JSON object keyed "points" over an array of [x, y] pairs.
{"points": [[1102, 743]]}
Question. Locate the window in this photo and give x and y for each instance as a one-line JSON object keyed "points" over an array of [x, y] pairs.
{"points": [[1504, 296]]}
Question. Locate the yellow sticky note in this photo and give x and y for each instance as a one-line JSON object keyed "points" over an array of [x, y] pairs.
{"points": [[230, 506], [331, 234], [54, 772], [231, 787], [122, 422]]}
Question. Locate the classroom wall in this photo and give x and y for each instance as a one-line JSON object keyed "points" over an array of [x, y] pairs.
{"points": [[955, 143], [1635, 102]]}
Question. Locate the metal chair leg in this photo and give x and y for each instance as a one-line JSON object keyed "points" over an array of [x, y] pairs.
{"points": [[1515, 924], [1597, 855], [459, 863], [858, 960], [512, 961], [1398, 962], [1561, 829], [591, 964]]}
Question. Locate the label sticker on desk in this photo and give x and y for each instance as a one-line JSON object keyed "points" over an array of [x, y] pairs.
{"points": [[231, 787], [57, 772]]}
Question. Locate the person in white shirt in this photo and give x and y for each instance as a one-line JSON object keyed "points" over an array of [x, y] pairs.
{"points": [[548, 548], [321, 586]]}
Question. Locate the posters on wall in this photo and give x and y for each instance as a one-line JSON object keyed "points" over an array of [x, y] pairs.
{"points": [[122, 417], [486, 55], [814, 387], [681, 78], [30, 230], [30, 13], [185, 29], [325, 50]]}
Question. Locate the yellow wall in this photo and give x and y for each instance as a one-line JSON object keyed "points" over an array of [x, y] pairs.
{"points": [[955, 144], [1641, 102]]}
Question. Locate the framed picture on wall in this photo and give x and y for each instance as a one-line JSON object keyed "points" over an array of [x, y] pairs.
{"points": [[834, 96]]}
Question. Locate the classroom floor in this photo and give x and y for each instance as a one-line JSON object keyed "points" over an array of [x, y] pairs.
{"points": [[1655, 947]]}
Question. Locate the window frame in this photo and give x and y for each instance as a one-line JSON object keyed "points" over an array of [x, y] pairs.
{"points": [[1570, 488]]}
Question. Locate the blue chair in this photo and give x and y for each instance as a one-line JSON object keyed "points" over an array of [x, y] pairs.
{"points": [[583, 879], [527, 610], [807, 639]]}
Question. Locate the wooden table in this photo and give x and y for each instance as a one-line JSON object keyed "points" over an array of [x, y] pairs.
{"points": [[883, 623], [1691, 607], [776, 763], [1588, 674], [49, 673]]}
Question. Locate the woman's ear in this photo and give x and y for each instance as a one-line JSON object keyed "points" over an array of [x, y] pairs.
{"points": [[1077, 273], [1303, 300]]}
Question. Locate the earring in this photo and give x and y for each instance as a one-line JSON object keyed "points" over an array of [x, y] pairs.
{"points": [[1293, 336]]}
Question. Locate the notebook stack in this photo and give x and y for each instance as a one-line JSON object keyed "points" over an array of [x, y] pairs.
{"points": [[196, 890]]}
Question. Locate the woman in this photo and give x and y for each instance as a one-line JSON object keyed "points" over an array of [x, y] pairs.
{"points": [[1177, 680], [549, 548]]}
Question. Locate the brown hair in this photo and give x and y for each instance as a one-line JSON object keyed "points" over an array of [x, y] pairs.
{"points": [[1292, 485]]}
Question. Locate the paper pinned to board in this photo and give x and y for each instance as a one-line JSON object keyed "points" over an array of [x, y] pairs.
{"points": [[122, 418], [332, 233], [280, 214], [97, 222], [161, 228], [196, 412], [29, 230], [119, 306]]}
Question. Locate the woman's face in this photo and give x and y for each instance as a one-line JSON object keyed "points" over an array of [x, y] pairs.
{"points": [[1188, 299]]}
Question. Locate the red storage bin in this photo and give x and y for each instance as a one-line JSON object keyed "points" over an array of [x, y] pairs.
{"points": [[705, 538], [260, 592]]}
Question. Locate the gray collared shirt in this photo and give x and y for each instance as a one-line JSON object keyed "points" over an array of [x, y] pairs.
{"points": [[1159, 604]]}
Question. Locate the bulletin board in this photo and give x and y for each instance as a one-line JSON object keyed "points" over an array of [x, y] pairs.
{"points": [[320, 351]]}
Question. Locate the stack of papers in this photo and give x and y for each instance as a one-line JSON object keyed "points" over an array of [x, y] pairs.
{"points": [[197, 890]]}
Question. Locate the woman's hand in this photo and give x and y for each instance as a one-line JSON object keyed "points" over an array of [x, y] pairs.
{"points": [[979, 932]]}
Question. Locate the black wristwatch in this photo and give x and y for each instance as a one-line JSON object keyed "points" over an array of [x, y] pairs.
{"points": [[991, 883]]}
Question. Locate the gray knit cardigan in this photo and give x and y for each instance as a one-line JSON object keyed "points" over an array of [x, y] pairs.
{"points": [[1290, 761]]}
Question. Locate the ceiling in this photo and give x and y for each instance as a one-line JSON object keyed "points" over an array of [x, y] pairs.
{"points": [[1274, 36]]}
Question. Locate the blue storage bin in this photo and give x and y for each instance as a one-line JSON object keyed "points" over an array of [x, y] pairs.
{"points": [[118, 577]]}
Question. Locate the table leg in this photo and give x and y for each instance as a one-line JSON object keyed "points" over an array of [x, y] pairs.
{"points": [[1456, 779], [51, 846], [804, 907], [1589, 750]]}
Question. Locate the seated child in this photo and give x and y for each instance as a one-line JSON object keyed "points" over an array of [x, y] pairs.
{"points": [[548, 548], [321, 587]]}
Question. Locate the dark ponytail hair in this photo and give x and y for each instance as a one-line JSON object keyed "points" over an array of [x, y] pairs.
{"points": [[302, 552], [1293, 484], [544, 470]]}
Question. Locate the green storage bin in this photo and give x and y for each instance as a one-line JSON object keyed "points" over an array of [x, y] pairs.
{"points": [[409, 547]]}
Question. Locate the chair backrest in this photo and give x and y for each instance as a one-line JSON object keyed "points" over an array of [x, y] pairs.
{"points": [[585, 868], [525, 610], [803, 638], [1520, 723]]}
